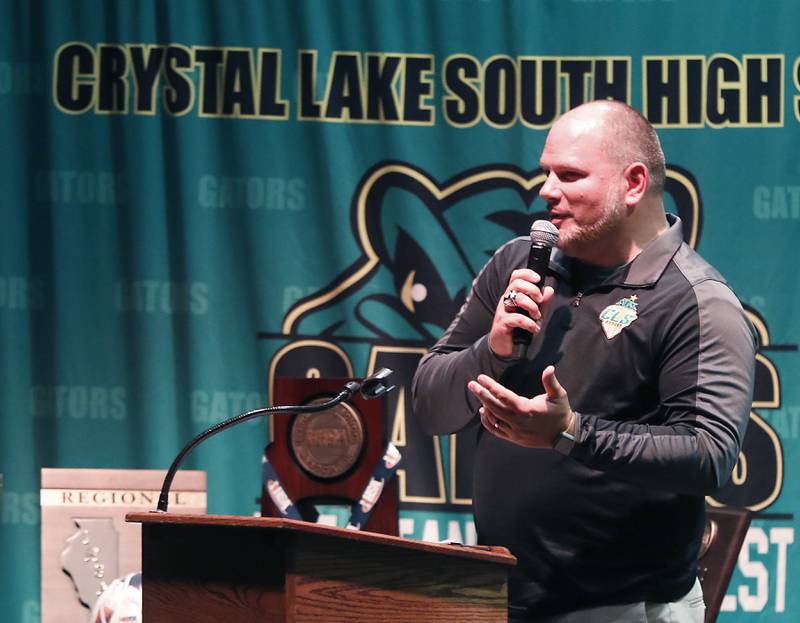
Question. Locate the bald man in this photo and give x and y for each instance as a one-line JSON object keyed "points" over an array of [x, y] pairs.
{"points": [[597, 445]]}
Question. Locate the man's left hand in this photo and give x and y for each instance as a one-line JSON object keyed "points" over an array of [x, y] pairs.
{"points": [[532, 422]]}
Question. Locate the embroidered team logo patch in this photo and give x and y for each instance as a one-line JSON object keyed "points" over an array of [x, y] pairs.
{"points": [[619, 316]]}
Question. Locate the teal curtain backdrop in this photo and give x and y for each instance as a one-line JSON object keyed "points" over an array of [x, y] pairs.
{"points": [[200, 197]]}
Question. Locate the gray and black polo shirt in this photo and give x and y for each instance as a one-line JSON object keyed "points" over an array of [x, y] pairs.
{"points": [[658, 358]]}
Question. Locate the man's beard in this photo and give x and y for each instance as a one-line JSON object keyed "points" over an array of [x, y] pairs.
{"points": [[575, 237]]}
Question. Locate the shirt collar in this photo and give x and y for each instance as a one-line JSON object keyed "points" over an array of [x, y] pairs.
{"points": [[647, 267]]}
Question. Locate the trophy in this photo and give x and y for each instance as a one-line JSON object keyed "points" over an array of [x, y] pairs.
{"points": [[338, 455]]}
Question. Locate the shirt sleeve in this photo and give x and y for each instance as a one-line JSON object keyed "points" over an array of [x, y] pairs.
{"points": [[442, 402], [705, 383]]}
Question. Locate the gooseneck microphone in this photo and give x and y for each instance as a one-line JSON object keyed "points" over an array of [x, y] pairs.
{"points": [[371, 387], [544, 236]]}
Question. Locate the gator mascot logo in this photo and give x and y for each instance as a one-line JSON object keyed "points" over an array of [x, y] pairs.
{"points": [[422, 243]]}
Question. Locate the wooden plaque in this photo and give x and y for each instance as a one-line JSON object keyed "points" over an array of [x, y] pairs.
{"points": [[296, 472]]}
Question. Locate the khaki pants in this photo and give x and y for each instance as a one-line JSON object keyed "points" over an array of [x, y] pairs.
{"points": [[689, 609]]}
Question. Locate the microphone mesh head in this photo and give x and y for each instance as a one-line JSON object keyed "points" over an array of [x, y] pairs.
{"points": [[544, 233]]}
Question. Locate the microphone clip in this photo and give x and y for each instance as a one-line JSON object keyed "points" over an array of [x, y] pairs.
{"points": [[376, 384]]}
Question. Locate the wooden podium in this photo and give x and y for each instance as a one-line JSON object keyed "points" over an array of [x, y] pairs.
{"points": [[212, 568]]}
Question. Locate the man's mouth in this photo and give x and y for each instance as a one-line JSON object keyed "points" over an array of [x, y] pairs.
{"points": [[557, 218]]}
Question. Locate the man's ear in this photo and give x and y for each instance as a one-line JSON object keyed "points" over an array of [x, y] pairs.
{"points": [[636, 179]]}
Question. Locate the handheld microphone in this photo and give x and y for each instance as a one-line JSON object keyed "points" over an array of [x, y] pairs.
{"points": [[371, 387], [544, 236]]}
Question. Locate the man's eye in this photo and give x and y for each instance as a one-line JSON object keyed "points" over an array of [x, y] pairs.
{"points": [[570, 176]]}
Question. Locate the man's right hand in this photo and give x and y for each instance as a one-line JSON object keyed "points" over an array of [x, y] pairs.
{"points": [[530, 298]]}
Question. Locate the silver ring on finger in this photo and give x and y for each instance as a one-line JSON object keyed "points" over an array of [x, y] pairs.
{"points": [[510, 299]]}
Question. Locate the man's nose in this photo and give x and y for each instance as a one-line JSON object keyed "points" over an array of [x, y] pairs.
{"points": [[549, 190]]}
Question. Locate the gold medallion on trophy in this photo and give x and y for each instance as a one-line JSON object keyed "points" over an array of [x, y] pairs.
{"points": [[327, 444]]}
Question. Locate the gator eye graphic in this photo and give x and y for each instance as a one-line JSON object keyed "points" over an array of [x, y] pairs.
{"points": [[420, 303], [421, 288], [412, 292]]}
